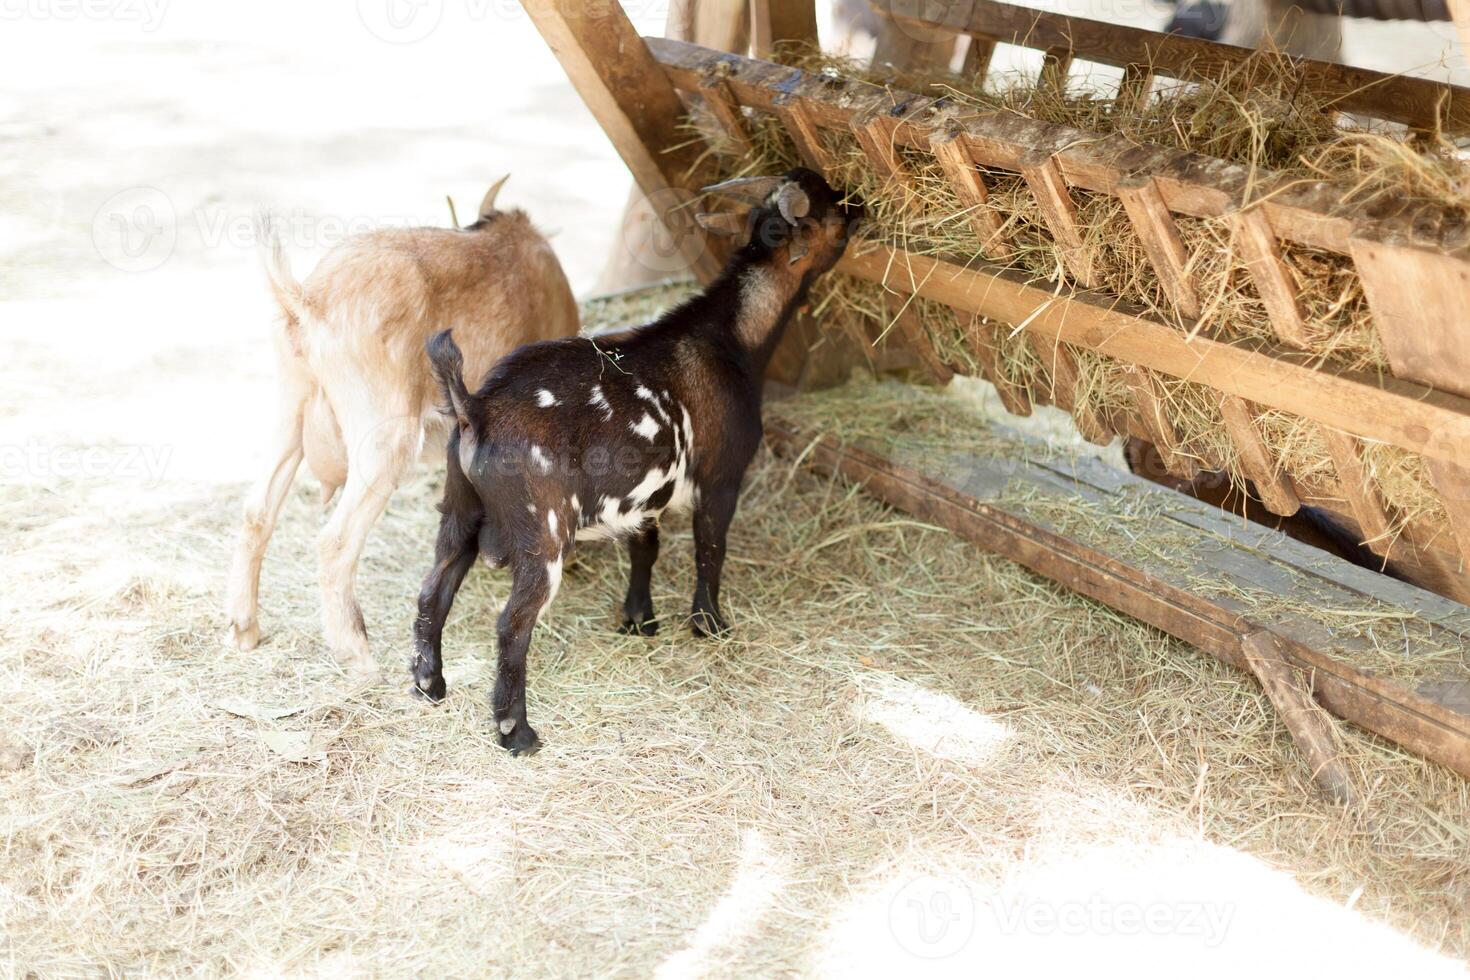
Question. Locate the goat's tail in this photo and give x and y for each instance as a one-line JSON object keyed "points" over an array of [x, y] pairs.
{"points": [[287, 291], [448, 364]]}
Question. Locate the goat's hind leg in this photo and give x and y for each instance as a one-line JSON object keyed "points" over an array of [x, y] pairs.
{"points": [[454, 553], [638, 616], [263, 506], [536, 583]]}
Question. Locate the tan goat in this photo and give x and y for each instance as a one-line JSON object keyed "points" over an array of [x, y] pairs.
{"points": [[357, 399]]}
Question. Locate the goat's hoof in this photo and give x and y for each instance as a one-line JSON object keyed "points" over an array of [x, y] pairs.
{"points": [[244, 638], [706, 624], [431, 689], [363, 672], [521, 740], [647, 627]]}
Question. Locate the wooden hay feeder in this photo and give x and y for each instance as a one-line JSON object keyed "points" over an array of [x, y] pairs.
{"points": [[1409, 266]]}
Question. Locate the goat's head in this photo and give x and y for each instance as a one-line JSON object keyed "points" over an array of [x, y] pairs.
{"points": [[798, 215]]}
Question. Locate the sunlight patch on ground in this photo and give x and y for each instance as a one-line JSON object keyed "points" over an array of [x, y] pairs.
{"points": [[758, 881], [930, 721]]}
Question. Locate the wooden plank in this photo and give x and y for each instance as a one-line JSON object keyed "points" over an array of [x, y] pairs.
{"points": [[1431, 720], [1055, 63], [1160, 236], [1251, 231], [1148, 399], [1452, 483], [1405, 414], [1290, 693], [1412, 101], [1419, 298], [906, 321], [977, 59], [722, 105], [1134, 89], [969, 187], [1045, 182], [874, 132], [637, 107], [1362, 496], [791, 20], [1254, 458], [1065, 385]]}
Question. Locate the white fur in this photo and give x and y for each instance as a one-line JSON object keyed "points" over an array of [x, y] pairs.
{"points": [[546, 399], [647, 427], [599, 400], [652, 399], [541, 459], [761, 302], [551, 522]]}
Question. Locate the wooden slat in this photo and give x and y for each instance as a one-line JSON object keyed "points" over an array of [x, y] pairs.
{"points": [[771, 23], [1290, 693], [986, 347], [636, 106], [1362, 496], [1254, 458], [1055, 63], [969, 187], [874, 132], [1390, 410], [1419, 298], [1433, 720], [1150, 217], [977, 59], [1045, 182], [1148, 399], [1413, 101], [1065, 385], [906, 322], [797, 119], [1134, 89], [722, 104], [1452, 483], [1252, 234]]}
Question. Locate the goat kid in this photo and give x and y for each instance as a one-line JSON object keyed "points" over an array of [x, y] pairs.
{"points": [[357, 399], [591, 438]]}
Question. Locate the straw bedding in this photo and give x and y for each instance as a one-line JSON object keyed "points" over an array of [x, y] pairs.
{"points": [[895, 705], [1258, 114]]}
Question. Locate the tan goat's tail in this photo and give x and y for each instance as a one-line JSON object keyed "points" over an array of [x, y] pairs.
{"points": [[287, 291]]}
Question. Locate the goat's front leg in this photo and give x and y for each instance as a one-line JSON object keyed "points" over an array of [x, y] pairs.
{"points": [[535, 585], [454, 554], [711, 523], [638, 606]]}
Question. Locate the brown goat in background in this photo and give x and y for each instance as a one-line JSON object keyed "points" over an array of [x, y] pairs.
{"points": [[357, 398]]}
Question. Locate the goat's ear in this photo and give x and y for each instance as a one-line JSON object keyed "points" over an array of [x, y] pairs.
{"points": [[799, 250], [487, 206], [726, 224]]}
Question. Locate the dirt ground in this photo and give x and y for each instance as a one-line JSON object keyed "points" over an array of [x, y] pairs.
{"points": [[912, 758]]}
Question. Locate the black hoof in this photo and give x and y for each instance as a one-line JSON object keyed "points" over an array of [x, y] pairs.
{"points": [[648, 627], [706, 624], [521, 741], [431, 689]]}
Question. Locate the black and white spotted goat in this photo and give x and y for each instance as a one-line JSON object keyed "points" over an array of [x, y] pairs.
{"points": [[578, 439]]}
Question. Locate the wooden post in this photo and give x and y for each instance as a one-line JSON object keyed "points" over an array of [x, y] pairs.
{"points": [[1044, 178], [1254, 237], [964, 177], [637, 107], [1290, 693], [1362, 496], [1272, 486], [1160, 236], [782, 20], [1148, 399]]}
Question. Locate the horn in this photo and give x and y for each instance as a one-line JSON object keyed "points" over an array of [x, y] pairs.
{"points": [[725, 223], [793, 202], [487, 206], [750, 190]]}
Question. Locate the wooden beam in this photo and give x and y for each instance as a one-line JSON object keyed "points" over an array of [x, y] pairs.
{"points": [[1254, 458], [633, 101], [797, 120], [1148, 399], [1390, 410], [1065, 384], [1452, 483], [967, 495], [1290, 694], [977, 59], [1044, 179], [726, 111], [906, 322], [1419, 298], [1362, 496], [1055, 63], [1412, 101], [969, 187], [874, 132], [986, 348], [782, 20], [1134, 89], [1150, 217]]}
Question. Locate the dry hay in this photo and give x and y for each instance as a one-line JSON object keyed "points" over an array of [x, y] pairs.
{"points": [[894, 705], [1258, 114]]}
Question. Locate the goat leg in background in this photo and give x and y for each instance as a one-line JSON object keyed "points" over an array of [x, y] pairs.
{"points": [[712, 516], [638, 614]]}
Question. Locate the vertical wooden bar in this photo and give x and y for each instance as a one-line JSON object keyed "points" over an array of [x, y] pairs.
{"points": [[906, 322], [1362, 497], [1452, 483], [1134, 89], [984, 344], [631, 97], [1044, 178], [1148, 399], [802, 129], [977, 59], [722, 104], [1272, 486], [1262, 253], [949, 149], [874, 130], [1055, 63], [1160, 236], [1065, 390]]}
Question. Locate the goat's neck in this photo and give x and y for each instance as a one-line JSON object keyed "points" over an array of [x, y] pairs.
{"points": [[767, 296]]}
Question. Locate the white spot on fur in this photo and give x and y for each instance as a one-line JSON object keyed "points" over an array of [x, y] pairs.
{"points": [[576, 505], [647, 427], [532, 509], [553, 580], [551, 522], [546, 399], [541, 459], [599, 400], [507, 725], [648, 396], [761, 303]]}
